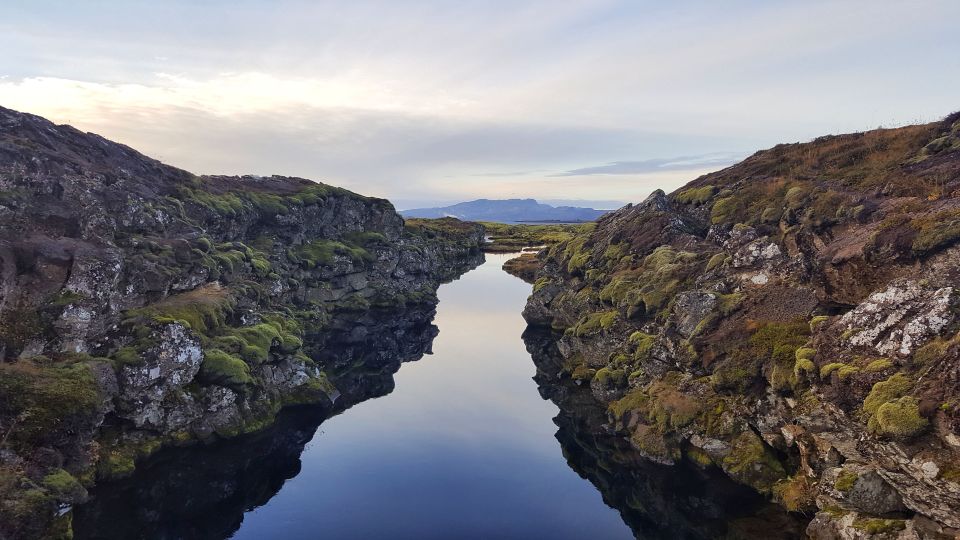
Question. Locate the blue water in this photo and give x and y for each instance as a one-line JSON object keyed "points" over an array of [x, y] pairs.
{"points": [[464, 446]]}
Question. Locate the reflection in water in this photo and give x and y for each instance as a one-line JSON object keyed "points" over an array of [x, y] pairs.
{"points": [[656, 501], [464, 447]]}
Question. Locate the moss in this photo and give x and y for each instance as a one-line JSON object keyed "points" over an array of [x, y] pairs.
{"points": [[219, 367], [751, 462], [261, 266], [935, 232], [716, 261], [635, 400], [931, 351], [804, 367], [879, 526], [608, 377], [61, 483], [722, 209], [828, 369], [642, 344], [202, 309], [845, 481], [698, 195], [46, 402], [846, 372], [805, 353], [898, 419], [698, 457], [323, 252], [541, 283], [885, 391], [797, 493], [879, 364], [593, 323], [817, 321], [18, 327]]}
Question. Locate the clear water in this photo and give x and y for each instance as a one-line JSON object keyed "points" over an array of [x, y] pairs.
{"points": [[464, 447]]}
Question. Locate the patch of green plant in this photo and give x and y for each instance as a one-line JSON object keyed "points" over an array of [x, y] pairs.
{"points": [[751, 462], [898, 419], [222, 368], [697, 195], [845, 481], [886, 391]]}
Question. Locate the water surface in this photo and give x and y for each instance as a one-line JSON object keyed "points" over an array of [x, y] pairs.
{"points": [[462, 447]]}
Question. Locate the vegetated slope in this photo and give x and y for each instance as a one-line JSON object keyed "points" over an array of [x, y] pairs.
{"points": [[791, 320], [141, 305], [507, 210]]}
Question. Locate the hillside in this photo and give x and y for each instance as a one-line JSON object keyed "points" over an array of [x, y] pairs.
{"points": [[791, 321], [508, 211], [142, 306]]}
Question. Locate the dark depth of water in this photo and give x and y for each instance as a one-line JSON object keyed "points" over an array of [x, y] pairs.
{"points": [[463, 446]]}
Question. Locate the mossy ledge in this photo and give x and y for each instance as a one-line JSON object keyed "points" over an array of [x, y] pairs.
{"points": [[780, 316], [145, 306]]}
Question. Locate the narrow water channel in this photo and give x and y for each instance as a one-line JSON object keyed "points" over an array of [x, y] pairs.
{"points": [[461, 446], [464, 447]]}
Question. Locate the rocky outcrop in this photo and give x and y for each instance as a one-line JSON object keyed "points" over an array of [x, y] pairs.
{"points": [[142, 306], [789, 321]]}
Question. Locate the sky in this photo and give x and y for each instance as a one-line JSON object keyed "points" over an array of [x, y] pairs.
{"points": [[435, 102]]}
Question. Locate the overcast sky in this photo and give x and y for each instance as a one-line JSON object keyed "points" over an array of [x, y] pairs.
{"points": [[430, 101]]}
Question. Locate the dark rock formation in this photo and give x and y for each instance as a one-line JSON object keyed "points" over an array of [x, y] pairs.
{"points": [[142, 306], [791, 321], [170, 495]]}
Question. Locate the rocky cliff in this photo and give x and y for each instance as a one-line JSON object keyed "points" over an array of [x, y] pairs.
{"points": [[142, 306], [790, 321]]}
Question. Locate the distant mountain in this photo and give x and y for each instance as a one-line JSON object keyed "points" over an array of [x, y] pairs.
{"points": [[507, 211]]}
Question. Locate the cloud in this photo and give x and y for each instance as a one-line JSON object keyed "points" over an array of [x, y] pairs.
{"points": [[683, 163]]}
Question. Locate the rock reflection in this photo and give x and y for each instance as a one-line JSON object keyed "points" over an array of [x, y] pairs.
{"points": [[655, 501]]}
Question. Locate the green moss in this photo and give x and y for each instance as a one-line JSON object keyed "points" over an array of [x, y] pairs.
{"points": [[716, 261], [46, 402], [797, 493], [608, 377], [879, 364], [642, 344], [828, 369], [753, 463], [804, 366], [805, 353], [879, 526], [937, 231], [722, 209], [817, 321], [898, 419], [593, 323], [541, 283], [845, 481], [323, 252], [220, 367], [885, 391], [698, 195], [634, 400], [61, 483], [202, 309]]}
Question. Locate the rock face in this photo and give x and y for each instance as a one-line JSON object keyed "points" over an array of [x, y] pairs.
{"points": [[142, 306], [789, 321]]}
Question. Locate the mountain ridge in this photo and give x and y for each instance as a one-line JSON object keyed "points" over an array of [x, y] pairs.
{"points": [[507, 211]]}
